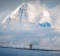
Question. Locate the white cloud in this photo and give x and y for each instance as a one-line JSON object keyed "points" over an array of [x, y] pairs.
{"points": [[55, 15]]}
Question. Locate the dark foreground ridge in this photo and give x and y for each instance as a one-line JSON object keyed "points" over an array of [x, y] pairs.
{"points": [[30, 49]]}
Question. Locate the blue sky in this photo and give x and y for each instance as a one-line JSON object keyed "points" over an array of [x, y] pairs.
{"points": [[43, 38]]}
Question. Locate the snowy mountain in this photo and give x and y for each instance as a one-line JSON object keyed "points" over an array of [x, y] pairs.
{"points": [[27, 16], [29, 25]]}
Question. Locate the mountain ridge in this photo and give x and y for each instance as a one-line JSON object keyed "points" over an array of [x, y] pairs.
{"points": [[26, 14]]}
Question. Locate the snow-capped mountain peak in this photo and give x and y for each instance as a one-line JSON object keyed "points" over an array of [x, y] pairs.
{"points": [[26, 14]]}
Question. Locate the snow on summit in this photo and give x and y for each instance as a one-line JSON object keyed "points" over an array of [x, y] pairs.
{"points": [[25, 15]]}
